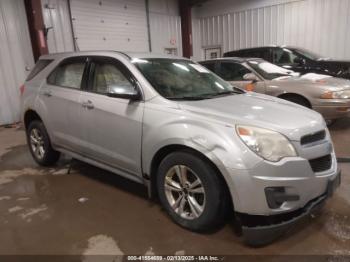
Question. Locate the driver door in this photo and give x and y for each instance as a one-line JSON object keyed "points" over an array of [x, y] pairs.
{"points": [[114, 125]]}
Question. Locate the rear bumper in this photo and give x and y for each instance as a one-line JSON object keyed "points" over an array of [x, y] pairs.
{"points": [[264, 234]]}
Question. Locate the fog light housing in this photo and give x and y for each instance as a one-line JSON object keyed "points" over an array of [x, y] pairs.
{"points": [[276, 196]]}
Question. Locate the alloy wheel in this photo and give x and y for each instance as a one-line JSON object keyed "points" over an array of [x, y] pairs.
{"points": [[185, 192], [37, 143]]}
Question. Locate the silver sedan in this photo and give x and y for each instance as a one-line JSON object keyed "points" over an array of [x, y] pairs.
{"points": [[327, 95]]}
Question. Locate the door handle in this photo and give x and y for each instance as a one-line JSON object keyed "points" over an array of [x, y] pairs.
{"points": [[47, 93], [88, 104]]}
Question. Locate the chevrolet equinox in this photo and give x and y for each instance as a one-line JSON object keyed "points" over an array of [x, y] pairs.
{"points": [[202, 146]]}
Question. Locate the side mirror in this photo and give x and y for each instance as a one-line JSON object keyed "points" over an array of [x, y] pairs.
{"points": [[126, 92], [299, 61], [251, 77]]}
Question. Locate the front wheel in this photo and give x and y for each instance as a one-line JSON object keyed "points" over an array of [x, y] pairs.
{"points": [[191, 191], [298, 100], [39, 144]]}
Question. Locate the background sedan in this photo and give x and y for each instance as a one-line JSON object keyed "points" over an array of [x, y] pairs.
{"points": [[327, 95]]}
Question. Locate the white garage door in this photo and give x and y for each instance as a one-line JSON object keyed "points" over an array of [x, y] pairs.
{"points": [[15, 57], [110, 25]]}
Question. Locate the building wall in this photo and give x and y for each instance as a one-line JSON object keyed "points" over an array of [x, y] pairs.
{"points": [[112, 25], [322, 26], [16, 58]]}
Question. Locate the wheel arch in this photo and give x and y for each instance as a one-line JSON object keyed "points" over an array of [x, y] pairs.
{"points": [[168, 149], [29, 116], [290, 94]]}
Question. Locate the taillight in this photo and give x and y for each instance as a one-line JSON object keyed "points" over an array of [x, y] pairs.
{"points": [[21, 89]]}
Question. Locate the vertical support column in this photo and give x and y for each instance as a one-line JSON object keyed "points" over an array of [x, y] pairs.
{"points": [[186, 27], [36, 27]]}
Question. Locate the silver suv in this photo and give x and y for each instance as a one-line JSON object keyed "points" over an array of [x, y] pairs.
{"points": [[204, 147]]}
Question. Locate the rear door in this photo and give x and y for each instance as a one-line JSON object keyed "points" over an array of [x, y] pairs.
{"points": [[114, 125], [234, 73], [61, 99]]}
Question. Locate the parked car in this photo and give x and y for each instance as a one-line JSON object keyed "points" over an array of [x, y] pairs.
{"points": [[327, 95], [203, 147], [296, 59]]}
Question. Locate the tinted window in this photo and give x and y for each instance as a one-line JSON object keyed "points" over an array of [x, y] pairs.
{"points": [[39, 66], [283, 56], [111, 77], [263, 53], [260, 53], [68, 75], [308, 54], [210, 66], [232, 71]]}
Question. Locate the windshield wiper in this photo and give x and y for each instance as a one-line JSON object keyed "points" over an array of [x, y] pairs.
{"points": [[189, 98], [206, 96], [238, 91]]}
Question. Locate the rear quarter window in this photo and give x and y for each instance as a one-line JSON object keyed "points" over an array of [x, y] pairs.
{"points": [[39, 66], [210, 66]]}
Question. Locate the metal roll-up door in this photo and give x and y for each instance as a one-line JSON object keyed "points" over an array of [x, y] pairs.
{"points": [[110, 25]]}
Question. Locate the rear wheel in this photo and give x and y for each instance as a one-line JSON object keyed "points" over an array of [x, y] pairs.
{"points": [[39, 144], [191, 192]]}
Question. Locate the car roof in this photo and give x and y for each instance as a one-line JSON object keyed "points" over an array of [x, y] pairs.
{"points": [[233, 59], [129, 55], [263, 47]]}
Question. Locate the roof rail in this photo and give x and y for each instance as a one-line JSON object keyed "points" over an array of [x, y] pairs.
{"points": [[122, 53]]}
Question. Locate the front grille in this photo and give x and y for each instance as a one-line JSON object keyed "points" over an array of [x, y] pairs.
{"points": [[308, 139], [321, 164]]}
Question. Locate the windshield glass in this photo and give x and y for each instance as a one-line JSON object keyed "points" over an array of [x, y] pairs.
{"points": [[269, 71], [182, 79], [308, 54]]}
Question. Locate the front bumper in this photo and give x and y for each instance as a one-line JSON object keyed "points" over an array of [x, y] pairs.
{"points": [[258, 235], [295, 175], [333, 109]]}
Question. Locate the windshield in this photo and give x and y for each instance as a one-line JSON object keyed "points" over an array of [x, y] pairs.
{"points": [[182, 79], [269, 71], [308, 54]]}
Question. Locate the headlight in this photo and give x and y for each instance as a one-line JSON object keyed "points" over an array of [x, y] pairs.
{"points": [[345, 94], [268, 144]]}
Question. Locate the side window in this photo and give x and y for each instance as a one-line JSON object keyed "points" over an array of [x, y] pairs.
{"points": [[210, 66], [283, 56], [232, 71], [260, 53], [110, 77], [68, 75]]}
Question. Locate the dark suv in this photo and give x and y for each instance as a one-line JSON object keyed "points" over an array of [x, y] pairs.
{"points": [[296, 59]]}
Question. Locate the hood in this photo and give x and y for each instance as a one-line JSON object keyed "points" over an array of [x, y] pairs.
{"points": [[331, 61], [324, 82], [259, 110]]}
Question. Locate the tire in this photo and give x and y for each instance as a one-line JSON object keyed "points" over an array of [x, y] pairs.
{"points": [[214, 201], [298, 100], [39, 144], [330, 122]]}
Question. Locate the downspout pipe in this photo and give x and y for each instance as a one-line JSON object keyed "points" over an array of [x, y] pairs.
{"points": [[148, 26], [75, 44]]}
